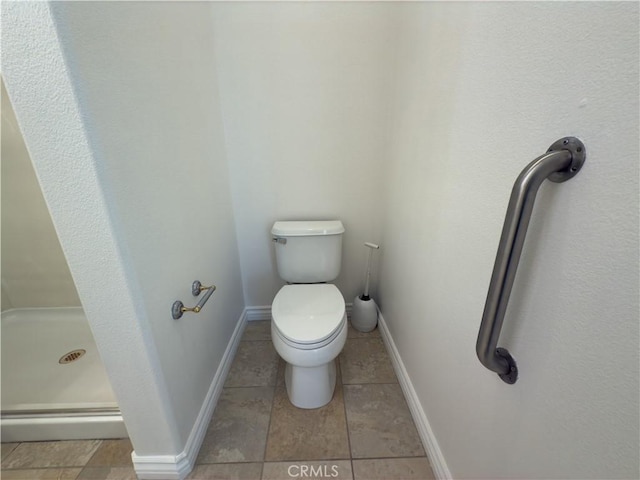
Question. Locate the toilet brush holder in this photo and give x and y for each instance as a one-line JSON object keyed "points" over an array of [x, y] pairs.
{"points": [[364, 315]]}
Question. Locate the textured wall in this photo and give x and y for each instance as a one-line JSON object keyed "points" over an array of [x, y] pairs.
{"points": [[466, 95], [304, 95], [133, 165], [35, 73], [483, 89], [150, 95], [34, 270]]}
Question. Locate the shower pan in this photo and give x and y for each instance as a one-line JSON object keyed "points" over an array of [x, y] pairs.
{"points": [[54, 386]]}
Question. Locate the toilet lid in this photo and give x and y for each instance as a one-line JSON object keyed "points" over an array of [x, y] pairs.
{"points": [[308, 313]]}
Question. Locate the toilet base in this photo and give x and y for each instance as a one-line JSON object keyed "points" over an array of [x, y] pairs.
{"points": [[310, 387]]}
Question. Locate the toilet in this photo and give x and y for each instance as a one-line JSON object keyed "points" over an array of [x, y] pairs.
{"points": [[308, 316]]}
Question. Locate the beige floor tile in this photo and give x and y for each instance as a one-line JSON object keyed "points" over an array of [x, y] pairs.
{"points": [[238, 429], [311, 444], [258, 330], [333, 469], [42, 474], [300, 434], [72, 453], [255, 365], [227, 471], [112, 453], [280, 375], [416, 468], [353, 333], [380, 424], [108, 473], [7, 448], [365, 360]]}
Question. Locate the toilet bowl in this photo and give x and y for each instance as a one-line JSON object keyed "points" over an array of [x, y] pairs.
{"points": [[308, 319], [309, 330]]}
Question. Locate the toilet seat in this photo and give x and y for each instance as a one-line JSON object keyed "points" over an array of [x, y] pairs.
{"points": [[308, 316], [313, 346]]}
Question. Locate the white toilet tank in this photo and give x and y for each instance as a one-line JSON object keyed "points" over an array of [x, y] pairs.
{"points": [[308, 251]]}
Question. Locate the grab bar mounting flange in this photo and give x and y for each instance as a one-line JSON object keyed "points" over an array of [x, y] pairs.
{"points": [[578, 156]]}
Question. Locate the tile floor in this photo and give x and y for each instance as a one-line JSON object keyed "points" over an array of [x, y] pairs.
{"points": [[364, 433]]}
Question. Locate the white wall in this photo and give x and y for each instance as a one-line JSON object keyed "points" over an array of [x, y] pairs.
{"points": [[150, 93], [34, 270], [305, 107], [51, 122], [482, 89], [410, 122], [133, 167]]}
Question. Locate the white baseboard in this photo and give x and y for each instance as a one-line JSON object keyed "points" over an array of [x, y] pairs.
{"points": [[177, 467], [258, 313], [264, 312], [438, 463], [161, 467]]}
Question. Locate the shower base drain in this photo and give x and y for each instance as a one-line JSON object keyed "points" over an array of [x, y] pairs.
{"points": [[72, 356]]}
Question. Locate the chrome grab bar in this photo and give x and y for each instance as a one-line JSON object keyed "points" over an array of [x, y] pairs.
{"points": [[562, 161], [178, 308]]}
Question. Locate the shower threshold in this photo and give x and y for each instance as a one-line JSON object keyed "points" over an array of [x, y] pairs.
{"points": [[63, 424]]}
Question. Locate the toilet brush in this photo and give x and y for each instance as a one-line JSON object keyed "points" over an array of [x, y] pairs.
{"points": [[364, 316]]}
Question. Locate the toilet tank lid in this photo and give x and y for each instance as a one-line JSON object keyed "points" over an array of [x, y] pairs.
{"points": [[307, 228]]}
